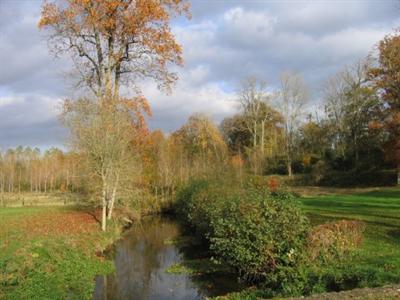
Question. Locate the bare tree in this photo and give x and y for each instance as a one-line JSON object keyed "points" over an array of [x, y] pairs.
{"points": [[349, 102], [293, 96], [103, 134], [255, 101]]}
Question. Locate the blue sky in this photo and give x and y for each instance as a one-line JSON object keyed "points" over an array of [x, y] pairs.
{"points": [[224, 42]]}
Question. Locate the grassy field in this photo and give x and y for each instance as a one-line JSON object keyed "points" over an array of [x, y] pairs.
{"points": [[38, 199], [380, 210], [50, 253]]}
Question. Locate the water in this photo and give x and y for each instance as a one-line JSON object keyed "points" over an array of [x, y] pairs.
{"points": [[141, 259]]}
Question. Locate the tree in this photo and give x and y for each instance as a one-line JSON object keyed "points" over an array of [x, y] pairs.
{"points": [[112, 43], [293, 96], [386, 78], [235, 133], [351, 105], [202, 145], [104, 134], [259, 118]]}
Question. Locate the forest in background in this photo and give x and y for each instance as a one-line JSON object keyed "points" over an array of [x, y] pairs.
{"points": [[353, 143]]}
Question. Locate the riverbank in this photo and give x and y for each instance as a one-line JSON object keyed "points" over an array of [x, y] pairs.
{"points": [[51, 252]]}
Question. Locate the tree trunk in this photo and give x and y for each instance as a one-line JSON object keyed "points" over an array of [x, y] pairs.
{"points": [[104, 204], [262, 137], [110, 209], [104, 213], [289, 167], [255, 135]]}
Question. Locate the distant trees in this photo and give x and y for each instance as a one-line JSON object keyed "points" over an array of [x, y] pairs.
{"points": [[29, 170], [351, 103], [254, 132], [202, 145]]}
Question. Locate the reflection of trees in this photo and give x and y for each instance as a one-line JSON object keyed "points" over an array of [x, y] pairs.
{"points": [[140, 260]]}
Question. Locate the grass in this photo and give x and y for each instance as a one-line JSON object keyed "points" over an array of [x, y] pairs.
{"points": [[50, 253], [377, 262], [38, 199], [380, 210]]}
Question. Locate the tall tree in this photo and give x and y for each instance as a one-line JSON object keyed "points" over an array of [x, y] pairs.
{"points": [[293, 96], [259, 118], [351, 105], [112, 43]]}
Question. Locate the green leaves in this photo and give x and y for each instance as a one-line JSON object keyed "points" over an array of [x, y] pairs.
{"points": [[258, 233]]}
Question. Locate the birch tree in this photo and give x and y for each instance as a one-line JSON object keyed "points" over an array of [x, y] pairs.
{"points": [[293, 97]]}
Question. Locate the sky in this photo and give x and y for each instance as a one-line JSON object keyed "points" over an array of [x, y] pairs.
{"points": [[224, 42]]}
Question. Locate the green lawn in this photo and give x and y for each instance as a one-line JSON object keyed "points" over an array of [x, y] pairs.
{"points": [[50, 253], [380, 210]]}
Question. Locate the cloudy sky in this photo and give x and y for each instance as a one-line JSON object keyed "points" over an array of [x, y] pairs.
{"points": [[224, 42]]}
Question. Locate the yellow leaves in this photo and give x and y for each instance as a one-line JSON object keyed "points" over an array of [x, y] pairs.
{"points": [[50, 15], [237, 161], [306, 160]]}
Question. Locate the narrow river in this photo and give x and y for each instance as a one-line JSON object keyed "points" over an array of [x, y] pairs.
{"points": [[141, 259]]}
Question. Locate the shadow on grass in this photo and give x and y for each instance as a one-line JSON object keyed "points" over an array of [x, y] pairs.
{"points": [[387, 193]]}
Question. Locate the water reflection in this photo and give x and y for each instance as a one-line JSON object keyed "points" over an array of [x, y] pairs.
{"points": [[141, 258]]}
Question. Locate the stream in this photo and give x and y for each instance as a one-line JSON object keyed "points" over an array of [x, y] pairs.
{"points": [[141, 258]]}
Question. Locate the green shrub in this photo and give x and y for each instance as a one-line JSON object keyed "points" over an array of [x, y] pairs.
{"points": [[260, 234]]}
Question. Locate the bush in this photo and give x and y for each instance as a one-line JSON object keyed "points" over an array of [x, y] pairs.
{"points": [[259, 233], [332, 241]]}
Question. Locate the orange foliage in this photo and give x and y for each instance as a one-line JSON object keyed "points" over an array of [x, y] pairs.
{"points": [[116, 36], [273, 184], [333, 239]]}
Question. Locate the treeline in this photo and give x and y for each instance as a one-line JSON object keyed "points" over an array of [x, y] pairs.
{"points": [[29, 170], [348, 142]]}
